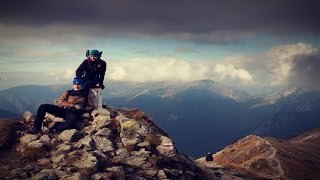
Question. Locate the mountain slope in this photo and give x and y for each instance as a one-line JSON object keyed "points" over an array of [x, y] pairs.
{"points": [[28, 98], [297, 158], [194, 111], [293, 111]]}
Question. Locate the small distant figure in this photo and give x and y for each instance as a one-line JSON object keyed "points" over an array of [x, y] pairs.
{"points": [[209, 157]]}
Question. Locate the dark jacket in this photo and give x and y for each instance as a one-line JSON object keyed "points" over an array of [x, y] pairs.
{"points": [[92, 70]]}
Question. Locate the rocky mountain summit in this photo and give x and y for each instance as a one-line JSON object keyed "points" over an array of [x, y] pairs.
{"points": [[269, 158], [107, 144], [126, 144]]}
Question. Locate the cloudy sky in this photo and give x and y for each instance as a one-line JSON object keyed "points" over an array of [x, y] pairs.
{"points": [[252, 44]]}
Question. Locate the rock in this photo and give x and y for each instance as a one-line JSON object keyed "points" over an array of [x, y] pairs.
{"points": [[100, 176], [70, 135], [87, 142], [142, 152], [166, 147], [57, 158], [63, 148], [101, 156], [87, 162], [55, 140], [44, 161], [144, 144], [151, 173], [106, 132], [75, 176], [28, 138], [116, 171], [101, 112], [28, 117], [86, 116], [186, 159], [45, 138], [121, 154], [15, 173], [100, 122], [37, 144], [103, 144], [30, 168], [51, 174], [162, 175], [173, 172], [130, 141], [138, 161]]}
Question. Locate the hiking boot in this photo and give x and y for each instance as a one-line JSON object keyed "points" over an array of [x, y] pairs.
{"points": [[33, 131]]}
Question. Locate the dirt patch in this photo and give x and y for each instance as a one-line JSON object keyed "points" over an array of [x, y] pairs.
{"points": [[8, 128]]}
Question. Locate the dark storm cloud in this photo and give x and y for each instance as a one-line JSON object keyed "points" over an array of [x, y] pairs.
{"points": [[210, 20], [305, 71]]}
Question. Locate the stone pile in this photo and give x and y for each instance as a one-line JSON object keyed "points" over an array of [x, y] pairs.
{"points": [[107, 144]]}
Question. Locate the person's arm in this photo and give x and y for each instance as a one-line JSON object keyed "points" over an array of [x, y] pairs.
{"points": [[81, 68], [63, 100], [90, 104]]}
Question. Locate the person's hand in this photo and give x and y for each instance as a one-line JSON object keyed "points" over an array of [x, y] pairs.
{"points": [[78, 107]]}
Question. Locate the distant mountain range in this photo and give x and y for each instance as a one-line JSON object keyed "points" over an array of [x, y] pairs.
{"points": [[196, 114], [8, 114], [293, 110]]}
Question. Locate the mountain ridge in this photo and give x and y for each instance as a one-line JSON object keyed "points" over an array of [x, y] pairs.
{"points": [[295, 158], [122, 143]]}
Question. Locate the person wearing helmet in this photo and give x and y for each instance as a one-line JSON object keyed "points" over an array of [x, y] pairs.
{"points": [[92, 70]]}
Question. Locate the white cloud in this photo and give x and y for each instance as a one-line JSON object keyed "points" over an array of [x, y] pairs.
{"points": [[275, 67], [64, 76], [229, 71], [174, 69], [288, 52], [282, 58]]}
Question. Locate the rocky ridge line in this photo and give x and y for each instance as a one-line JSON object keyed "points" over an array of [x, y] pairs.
{"points": [[106, 145]]}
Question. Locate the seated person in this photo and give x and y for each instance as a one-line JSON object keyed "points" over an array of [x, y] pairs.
{"points": [[92, 70], [71, 105]]}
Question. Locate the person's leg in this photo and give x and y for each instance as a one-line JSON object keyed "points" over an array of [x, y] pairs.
{"points": [[43, 109], [89, 84], [69, 119]]}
